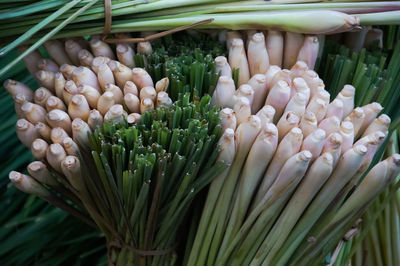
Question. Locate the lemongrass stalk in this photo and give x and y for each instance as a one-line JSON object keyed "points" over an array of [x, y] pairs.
{"points": [[288, 121], [95, 119], [346, 168], [374, 36], [44, 131], [91, 94], [381, 123], [308, 123], [39, 148], [287, 147], [144, 48], [297, 104], [246, 91], [257, 54], [333, 145], [58, 118], [371, 111], [59, 84], [133, 118], [38, 170], [278, 97], [314, 179], [71, 148], [141, 78], [148, 92], [70, 89], [222, 66], [132, 102], [227, 152], [293, 44], [116, 114], [355, 39], [48, 65], [313, 82], [19, 100], [31, 59], [125, 55], [41, 95], [34, 112], [309, 51], [281, 75], [54, 102], [300, 86], [274, 45], [105, 76], [223, 93], [84, 76], [161, 85], [266, 115], [72, 48], [121, 73], [78, 107], [106, 100], [80, 132], [238, 60], [356, 117], [347, 97], [259, 84], [71, 168], [163, 99], [242, 109], [335, 108], [118, 96], [318, 107], [298, 69], [46, 79], [146, 104], [100, 48], [28, 185], [55, 154], [230, 36], [228, 119], [314, 143], [330, 125], [15, 87], [247, 35], [85, 58], [270, 74], [67, 70], [98, 61], [57, 135], [130, 87], [347, 133], [55, 48]]}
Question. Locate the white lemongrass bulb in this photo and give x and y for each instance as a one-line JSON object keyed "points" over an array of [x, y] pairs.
{"points": [[80, 132], [130, 87], [38, 170], [222, 66], [347, 133], [144, 48], [163, 99], [146, 104], [141, 78], [54, 102], [133, 118], [85, 76], [281, 75], [67, 70], [313, 81], [300, 85], [335, 108], [15, 87], [30, 59], [41, 96], [73, 48], [39, 148], [330, 125], [48, 65], [298, 69], [274, 44], [247, 35], [278, 98], [59, 84], [132, 102], [58, 134], [224, 92], [34, 112], [356, 117], [242, 109], [79, 107], [371, 111], [46, 79], [55, 155], [121, 73], [288, 121], [56, 50], [297, 104], [105, 76], [148, 92], [226, 146], [70, 147], [314, 143], [318, 107], [237, 59], [333, 145], [95, 119], [162, 84], [309, 51], [308, 123], [98, 61], [28, 185], [106, 100], [381, 123], [347, 97], [100, 48], [71, 168], [70, 89], [230, 36], [19, 100], [44, 131], [58, 118], [117, 93], [246, 91], [270, 74], [259, 84], [257, 54], [266, 114], [293, 44], [85, 58], [91, 94], [228, 119], [116, 114], [125, 54]]}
